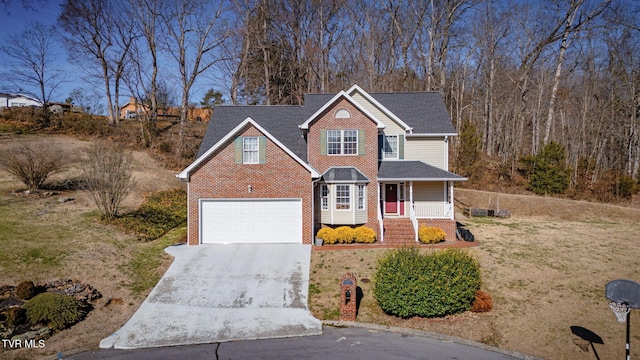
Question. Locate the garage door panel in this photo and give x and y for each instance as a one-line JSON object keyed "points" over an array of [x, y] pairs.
{"points": [[251, 221]]}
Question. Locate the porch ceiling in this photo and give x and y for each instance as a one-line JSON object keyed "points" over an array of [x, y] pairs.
{"points": [[410, 170]]}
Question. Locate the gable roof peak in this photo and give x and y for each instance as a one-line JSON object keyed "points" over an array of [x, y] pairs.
{"points": [[335, 99]]}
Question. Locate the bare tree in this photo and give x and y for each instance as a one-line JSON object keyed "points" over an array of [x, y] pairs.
{"points": [[195, 35], [108, 176], [33, 162], [99, 41], [32, 63]]}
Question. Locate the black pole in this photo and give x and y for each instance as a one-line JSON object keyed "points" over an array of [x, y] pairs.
{"points": [[628, 342]]}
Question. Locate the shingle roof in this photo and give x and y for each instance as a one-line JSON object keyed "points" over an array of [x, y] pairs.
{"points": [[344, 174], [413, 170], [280, 121], [424, 111]]}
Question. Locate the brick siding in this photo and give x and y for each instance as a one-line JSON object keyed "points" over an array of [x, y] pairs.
{"points": [[449, 226], [367, 163], [220, 177]]}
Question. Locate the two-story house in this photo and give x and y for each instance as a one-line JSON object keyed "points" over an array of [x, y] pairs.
{"points": [[280, 173]]}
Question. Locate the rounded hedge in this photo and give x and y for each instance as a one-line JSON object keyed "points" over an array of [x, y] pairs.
{"points": [[58, 311], [433, 284]]}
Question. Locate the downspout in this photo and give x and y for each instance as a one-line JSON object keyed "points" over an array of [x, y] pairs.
{"points": [[314, 183], [446, 152], [188, 203], [380, 220]]}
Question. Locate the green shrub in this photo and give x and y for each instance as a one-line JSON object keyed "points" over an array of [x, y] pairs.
{"points": [[25, 290], [435, 284], [328, 235], [345, 234], [431, 234], [160, 212], [56, 310], [365, 234]]}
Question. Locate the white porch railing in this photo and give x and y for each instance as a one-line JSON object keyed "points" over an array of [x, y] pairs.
{"points": [[433, 210], [414, 222]]}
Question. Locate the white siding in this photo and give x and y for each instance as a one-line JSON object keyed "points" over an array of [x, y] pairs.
{"points": [[344, 217], [424, 192], [391, 126], [427, 149]]}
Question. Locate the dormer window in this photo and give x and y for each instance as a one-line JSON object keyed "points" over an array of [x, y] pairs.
{"points": [[343, 114]]}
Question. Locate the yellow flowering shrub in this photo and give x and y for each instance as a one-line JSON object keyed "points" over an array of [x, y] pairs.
{"points": [[431, 234]]}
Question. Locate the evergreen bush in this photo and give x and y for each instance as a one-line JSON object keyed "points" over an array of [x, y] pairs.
{"points": [[431, 234], [435, 284], [58, 311], [160, 212]]}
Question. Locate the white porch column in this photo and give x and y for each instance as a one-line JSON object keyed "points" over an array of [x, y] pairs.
{"points": [[453, 211], [411, 193]]}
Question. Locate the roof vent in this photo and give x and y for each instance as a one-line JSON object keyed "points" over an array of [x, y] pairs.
{"points": [[343, 114]]}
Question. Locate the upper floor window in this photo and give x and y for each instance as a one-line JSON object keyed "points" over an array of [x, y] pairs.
{"points": [[250, 150], [390, 147], [342, 142]]}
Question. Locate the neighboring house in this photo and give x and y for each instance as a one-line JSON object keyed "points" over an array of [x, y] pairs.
{"points": [[135, 108], [132, 109], [62, 108], [18, 100], [280, 173]]}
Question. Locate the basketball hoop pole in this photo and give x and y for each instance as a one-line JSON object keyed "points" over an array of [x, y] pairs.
{"points": [[624, 295], [628, 344]]}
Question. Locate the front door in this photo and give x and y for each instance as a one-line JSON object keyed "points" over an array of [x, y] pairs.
{"points": [[391, 198]]}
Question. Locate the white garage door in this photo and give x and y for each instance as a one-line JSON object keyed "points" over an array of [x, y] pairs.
{"points": [[250, 221]]}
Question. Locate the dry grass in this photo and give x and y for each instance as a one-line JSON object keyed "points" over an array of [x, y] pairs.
{"points": [[545, 274], [545, 268], [43, 239]]}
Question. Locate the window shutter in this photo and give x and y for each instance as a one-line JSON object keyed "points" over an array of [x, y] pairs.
{"points": [[262, 147], [237, 147], [400, 146], [323, 142], [380, 146], [361, 142]]}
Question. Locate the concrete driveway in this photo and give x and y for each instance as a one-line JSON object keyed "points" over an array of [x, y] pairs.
{"points": [[218, 293]]}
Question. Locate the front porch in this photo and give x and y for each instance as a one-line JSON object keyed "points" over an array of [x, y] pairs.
{"points": [[412, 193], [404, 206]]}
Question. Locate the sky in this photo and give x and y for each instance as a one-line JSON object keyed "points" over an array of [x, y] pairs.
{"points": [[14, 19]]}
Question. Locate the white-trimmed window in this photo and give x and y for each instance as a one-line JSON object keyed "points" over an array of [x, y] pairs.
{"points": [[361, 197], [250, 150], [342, 142], [343, 197], [390, 147], [324, 196]]}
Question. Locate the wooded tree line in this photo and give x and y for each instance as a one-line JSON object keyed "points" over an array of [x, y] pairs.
{"points": [[518, 74]]}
